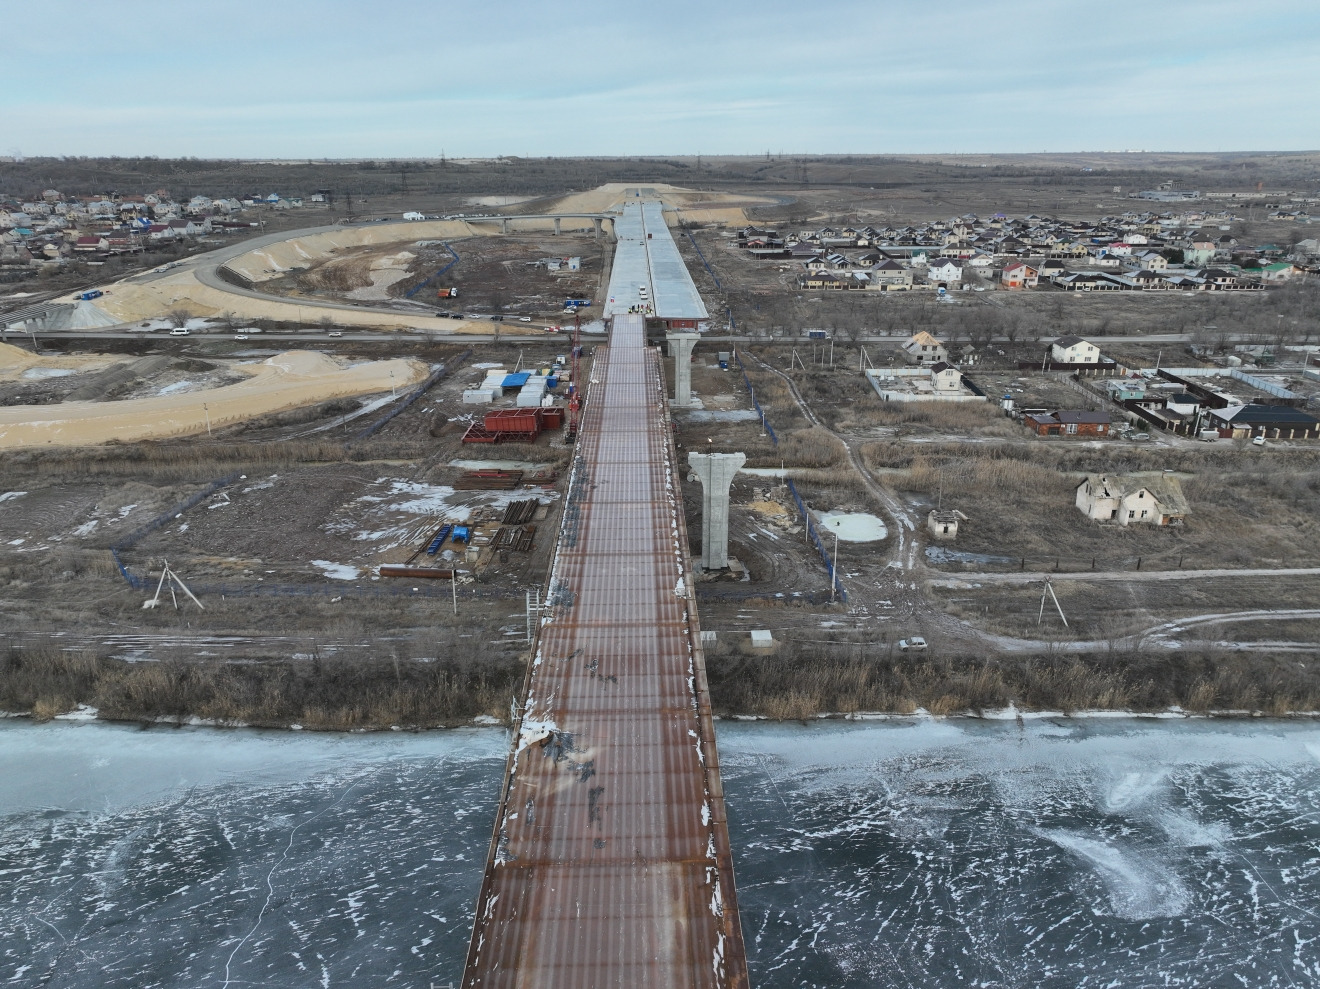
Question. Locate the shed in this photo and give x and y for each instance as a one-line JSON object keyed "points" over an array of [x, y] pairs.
{"points": [[943, 524]]}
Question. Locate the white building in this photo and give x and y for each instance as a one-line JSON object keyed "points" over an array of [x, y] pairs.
{"points": [[1074, 350], [1132, 500]]}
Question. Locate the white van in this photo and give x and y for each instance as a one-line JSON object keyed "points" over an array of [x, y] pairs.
{"points": [[179, 331]]}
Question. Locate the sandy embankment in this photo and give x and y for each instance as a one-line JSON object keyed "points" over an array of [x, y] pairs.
{"points": [[285, 381]]}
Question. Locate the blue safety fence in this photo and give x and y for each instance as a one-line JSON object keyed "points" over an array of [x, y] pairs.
{"points": [[435, 377], [421, 285], [814, 535], [703, 260], [765, 423]]}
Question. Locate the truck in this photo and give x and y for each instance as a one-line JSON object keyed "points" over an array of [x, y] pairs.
{"points": [[447, 293], [95, 293]]}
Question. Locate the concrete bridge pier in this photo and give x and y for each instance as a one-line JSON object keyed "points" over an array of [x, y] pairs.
{"points": [[715, 471], [504, 226], [681, 346], [556, 226], [596, 222]]}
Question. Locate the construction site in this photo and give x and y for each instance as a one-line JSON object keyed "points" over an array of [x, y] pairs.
{"points": [[326, 471]]}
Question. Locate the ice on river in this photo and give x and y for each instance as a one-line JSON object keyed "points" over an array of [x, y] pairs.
{"points": [[1086, 854], [198, 857], [1055, 853]]}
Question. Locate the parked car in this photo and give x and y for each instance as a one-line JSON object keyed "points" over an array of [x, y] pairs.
{"points": [[336, 333], [914, 644], [524, 319], [240, 336]]}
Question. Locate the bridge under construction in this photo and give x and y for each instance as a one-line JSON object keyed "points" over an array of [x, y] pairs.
{"points": [[610, 861]]}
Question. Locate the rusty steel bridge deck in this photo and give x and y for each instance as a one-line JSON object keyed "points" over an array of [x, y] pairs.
{"points": [[610, 861]]}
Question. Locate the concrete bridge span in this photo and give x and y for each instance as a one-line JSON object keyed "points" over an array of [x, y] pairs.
{"points": [[610, 863]]}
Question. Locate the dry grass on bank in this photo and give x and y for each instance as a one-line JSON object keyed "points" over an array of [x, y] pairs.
{"points": [[317, 694], [808, 679]]}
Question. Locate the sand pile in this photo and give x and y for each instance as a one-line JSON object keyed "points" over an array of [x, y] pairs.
{"points": [[15, 361], [285, 381]]}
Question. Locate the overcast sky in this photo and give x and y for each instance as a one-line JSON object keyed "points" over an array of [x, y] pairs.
{"points": [[413, 78]]}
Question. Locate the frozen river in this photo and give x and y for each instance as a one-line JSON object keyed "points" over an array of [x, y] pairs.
{"points": [[1052, 853]]}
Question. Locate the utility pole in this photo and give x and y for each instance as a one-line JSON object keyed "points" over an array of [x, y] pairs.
{"points": [[834, 568]]}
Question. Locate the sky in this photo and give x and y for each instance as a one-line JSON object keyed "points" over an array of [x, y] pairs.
{"points": [[410, 78]]}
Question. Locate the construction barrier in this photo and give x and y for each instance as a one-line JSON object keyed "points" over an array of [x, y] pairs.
{"points": [[421, 285], [765, 423], [814, 535]]}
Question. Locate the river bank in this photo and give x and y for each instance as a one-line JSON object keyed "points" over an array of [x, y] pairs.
{"points": [[807, 682]]}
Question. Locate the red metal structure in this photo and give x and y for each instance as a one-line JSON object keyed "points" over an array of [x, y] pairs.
{"points": [[610, 862], [514, 424], [575, 389]]}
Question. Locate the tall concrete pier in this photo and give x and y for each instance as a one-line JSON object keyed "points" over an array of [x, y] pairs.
{"points": [[681, 346], [715, 472]]}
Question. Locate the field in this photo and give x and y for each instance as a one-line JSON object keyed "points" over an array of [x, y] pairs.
{"points": [[304, 472]]}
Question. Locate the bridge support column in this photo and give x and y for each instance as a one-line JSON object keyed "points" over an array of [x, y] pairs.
{"points": [[681, 345], [504, 226], [596, 222], [556, 226], [715, 472]]}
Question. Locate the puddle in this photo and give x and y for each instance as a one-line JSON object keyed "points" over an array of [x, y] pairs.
{"points": [[721, 415], [943, 554], [855, 527]]}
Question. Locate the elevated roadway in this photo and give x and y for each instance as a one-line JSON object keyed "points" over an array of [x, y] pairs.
{"points": [[610, 862]]}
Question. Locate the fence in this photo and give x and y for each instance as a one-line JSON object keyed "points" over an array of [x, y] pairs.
{"points": [[704, 262], [765, 423], [437, 375], [421, 285], [814, 535], [141, 533], [944, 559]]}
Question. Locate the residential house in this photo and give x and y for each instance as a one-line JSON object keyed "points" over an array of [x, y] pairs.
{"points": [[945, 378], [1088, 281], [1068, 423], [1278, 272], [922, 348], [1074, 350], [890, 276], [1126, 389], [1019, 274], [1201, 252], [1049, 269], [1150, 260], [1270, 421], [1131, 500], [1183, 403], [944, 270]]}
